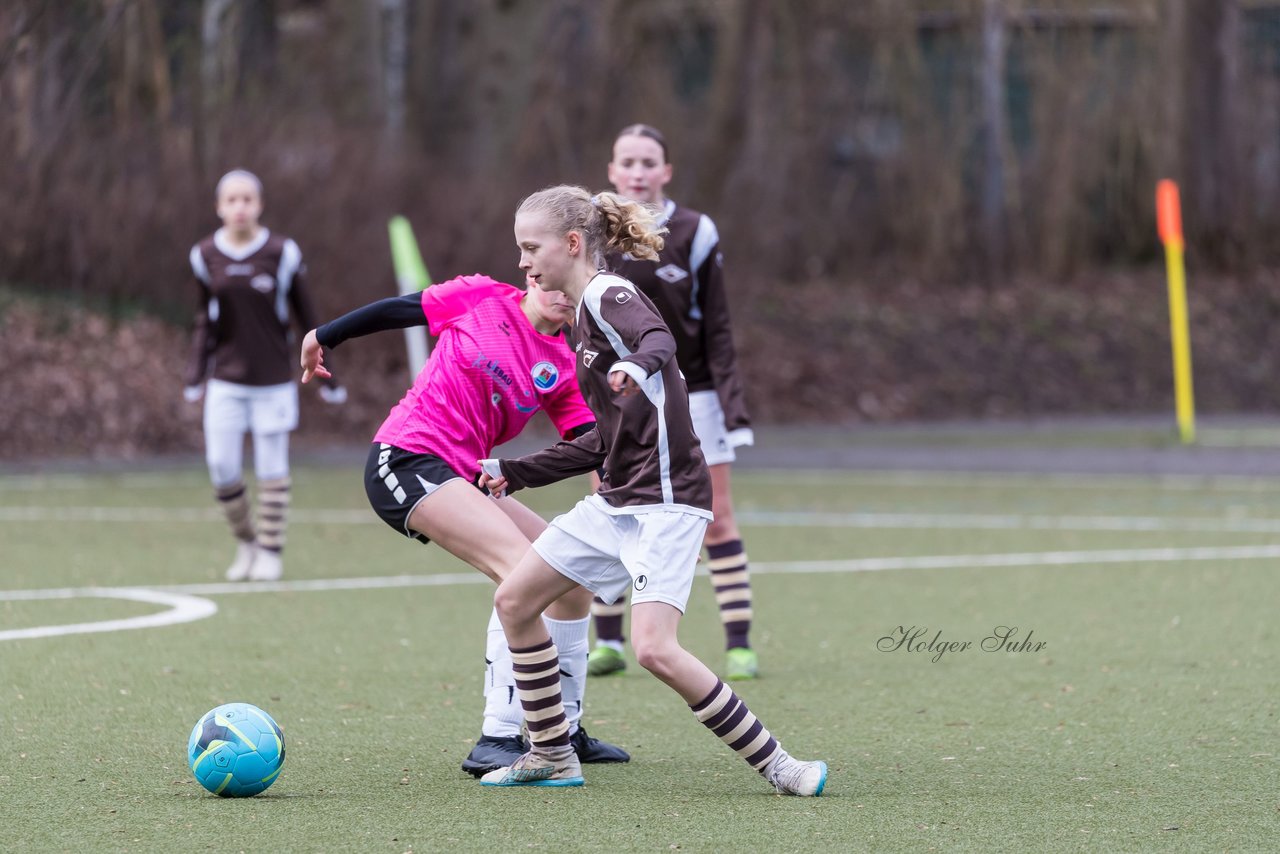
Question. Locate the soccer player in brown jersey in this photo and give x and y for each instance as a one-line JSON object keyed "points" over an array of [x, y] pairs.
{"points": [[643, 528], [249, 284], [686, 284]]}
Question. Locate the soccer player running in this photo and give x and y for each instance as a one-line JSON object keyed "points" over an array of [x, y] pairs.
{"points": [[500, 358], [249, 284], [643, 528], [686, 285]]}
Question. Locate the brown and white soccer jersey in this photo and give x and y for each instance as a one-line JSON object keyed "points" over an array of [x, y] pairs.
{"points": [[687, 286], [246, 296], [643, 529], [651, 457]]}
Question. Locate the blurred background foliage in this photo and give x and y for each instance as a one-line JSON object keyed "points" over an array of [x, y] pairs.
{"points": [[868, 163]]}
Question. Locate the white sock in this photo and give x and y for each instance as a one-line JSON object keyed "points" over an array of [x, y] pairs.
{"points": [[503, 715], [570, 638], [612, 644]]}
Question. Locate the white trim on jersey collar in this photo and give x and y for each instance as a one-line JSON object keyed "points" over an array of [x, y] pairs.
{"points": [[239, 253], [290, 263], [583, 299], [668, 211], [198, 266], [706, 239]]}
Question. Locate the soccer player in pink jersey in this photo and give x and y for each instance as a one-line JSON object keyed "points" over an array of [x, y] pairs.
{"points": [[643, 529], [500, 358]]}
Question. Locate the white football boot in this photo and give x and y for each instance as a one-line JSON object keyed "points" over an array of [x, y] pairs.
{"points": [[791, 776], [533, 769], [243, 564], [267, 566]]}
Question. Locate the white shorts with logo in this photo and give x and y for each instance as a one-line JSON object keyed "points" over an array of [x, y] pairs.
{"points": [[708, 423], [236, 408], [654, 553]]}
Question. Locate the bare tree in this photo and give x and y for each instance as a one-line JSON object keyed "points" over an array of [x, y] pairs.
{"points": [[1212, 82], [993, 131], [395, 62]]}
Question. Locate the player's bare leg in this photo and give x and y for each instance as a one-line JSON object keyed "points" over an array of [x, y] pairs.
{"points": [[654, 627], [496, 534], [466, 523], [568, 621]]}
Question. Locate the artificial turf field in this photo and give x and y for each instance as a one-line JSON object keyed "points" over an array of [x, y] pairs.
{"points": [[1148, 720]]}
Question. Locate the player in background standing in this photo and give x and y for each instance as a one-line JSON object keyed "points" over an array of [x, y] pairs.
{"points": [[500, 358], [643, 528], [686, 284], [249, 284]]}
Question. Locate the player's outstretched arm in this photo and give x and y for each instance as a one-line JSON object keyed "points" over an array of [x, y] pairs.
{"points": [[393, 313]]}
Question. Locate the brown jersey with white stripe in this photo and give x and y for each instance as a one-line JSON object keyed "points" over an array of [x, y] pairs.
{"points": [[686, 284], [651, 457], [246, 296]]}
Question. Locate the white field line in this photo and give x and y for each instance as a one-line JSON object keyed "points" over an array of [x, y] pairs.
{"points": [[182, 608], [1020, 480], [170, 514], [985, 521], [1024, 559], [151, 480], [185, 604], [774, 519], [904, 477]]}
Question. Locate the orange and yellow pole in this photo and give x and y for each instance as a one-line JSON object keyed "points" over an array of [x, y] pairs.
{"points": [[1169, 221]]}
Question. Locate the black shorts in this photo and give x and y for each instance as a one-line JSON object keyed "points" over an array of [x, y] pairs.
{"points": [[396, 480]]}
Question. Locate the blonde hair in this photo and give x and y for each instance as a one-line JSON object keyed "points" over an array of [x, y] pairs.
{"points": [[607, 222], [237, 174]]}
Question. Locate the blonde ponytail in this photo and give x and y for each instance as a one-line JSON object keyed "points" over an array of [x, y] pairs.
{"points": [[607, 222], [630, 227]]}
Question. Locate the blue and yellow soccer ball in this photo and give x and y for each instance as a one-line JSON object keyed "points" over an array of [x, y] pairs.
{"points": [[236, 750]]}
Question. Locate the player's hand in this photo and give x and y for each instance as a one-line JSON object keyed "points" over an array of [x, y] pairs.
{"points": [[491, 477], [193, 393], [622, 383], [335, 395], [312, 359]]}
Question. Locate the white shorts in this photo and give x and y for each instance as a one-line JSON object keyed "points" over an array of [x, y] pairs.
{"points": [[708, 423], [236, 408], [654, 553]]}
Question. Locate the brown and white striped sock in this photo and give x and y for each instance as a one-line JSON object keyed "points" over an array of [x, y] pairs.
{"points": [[732, 583], [273, 513], [608, 620], [724, 713], [235, 505], [537, 673]]}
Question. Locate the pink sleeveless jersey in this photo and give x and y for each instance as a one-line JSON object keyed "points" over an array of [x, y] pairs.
{"points": [[489, 373]]}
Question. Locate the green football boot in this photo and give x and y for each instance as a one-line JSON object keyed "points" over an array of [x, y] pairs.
{"points": [[742, 663], [604, 660]]}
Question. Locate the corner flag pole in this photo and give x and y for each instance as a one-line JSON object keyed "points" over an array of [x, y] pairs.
{"points": [[1169, 221], [411, 276]]}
